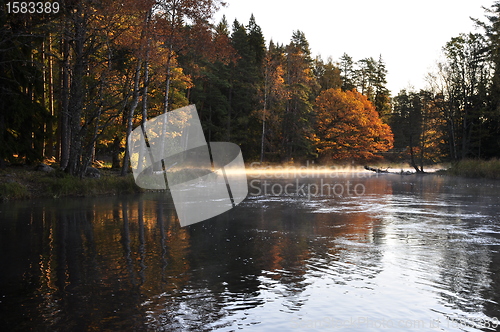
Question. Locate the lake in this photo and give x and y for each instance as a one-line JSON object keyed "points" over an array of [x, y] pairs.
{"points": [[343, 252]]}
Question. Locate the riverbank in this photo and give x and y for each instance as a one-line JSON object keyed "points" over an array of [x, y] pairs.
{"points": [[22, 182], [473, 168]]}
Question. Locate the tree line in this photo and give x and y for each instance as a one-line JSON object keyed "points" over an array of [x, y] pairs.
{"points": [[75, 83], [458, 116]]}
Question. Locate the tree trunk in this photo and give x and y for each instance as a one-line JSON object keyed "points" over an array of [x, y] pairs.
{"points": [[64, 128], [264, 115], [49, 149], [412, 157], [2, 130], [144, 111], [115, 153], [130, 115], [77, 96]]}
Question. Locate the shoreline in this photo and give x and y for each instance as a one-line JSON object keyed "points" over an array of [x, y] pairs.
{"points": [[24, 182]]}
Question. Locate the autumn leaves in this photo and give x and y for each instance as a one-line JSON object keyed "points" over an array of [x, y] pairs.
{"points": [[348, 127]]}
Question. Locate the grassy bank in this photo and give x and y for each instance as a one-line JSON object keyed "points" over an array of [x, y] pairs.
{"points": [[474, 168], [23, 183]]}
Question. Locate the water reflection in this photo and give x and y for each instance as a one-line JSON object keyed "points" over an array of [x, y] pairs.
{"points": [[420, 249]]}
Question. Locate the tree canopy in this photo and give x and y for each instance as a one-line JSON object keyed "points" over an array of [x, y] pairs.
{"points": [[349, 128]]}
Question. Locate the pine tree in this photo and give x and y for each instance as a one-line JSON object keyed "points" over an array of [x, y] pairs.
{"points": [[382, 100], [347, 72], [242, 128], [274, 96], [23, 111], [300, 82], [327, 75], [490, 126]]}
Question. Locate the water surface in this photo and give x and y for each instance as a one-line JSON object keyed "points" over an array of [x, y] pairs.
{"points": [[407, 253]]}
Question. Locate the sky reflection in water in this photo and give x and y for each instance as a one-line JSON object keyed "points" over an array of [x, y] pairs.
{"points": [[413, 253]]}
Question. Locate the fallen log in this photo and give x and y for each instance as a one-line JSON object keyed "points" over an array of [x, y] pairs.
{"points": [[385, 171], [376, 170]]}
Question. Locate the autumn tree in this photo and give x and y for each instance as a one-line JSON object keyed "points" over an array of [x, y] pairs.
{"points": [[348, 127]]}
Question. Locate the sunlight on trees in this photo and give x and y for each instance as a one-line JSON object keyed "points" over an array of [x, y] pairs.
{"points": [[75, 84], [349, 128]]}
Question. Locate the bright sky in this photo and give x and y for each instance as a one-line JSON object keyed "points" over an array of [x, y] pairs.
{"points": [[408, 33]]}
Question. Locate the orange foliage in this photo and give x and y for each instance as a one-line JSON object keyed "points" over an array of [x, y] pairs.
{"points": [[348, 127]]}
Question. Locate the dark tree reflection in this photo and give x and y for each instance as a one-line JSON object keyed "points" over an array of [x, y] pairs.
{"points": [[124, 263]]}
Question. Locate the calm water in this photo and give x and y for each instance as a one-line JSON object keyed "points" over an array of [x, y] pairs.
{"points": [[394, 252]]}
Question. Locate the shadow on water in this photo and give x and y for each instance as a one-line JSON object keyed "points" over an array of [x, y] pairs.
{"points": [[425, 247]]}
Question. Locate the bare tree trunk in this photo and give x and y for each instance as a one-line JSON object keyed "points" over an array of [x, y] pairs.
{"points": [[115, 154], [64, 128], [130, 115], [167, 83], [145, 91], [262, 138], [412, 156], [77, 95], [144, 118], [2, 129], [49, 152]]}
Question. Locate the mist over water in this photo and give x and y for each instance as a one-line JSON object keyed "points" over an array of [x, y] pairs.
{"points": [[405, 253]]}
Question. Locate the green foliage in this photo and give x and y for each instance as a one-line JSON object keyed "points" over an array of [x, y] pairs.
{"points": [[327, 74], [245, 82], [300, 84], [347, 72]]}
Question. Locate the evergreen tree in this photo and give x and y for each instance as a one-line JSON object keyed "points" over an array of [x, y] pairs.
{"points": [[211, 86], [347, 72], [382, 100], [418, 127], [22, 111], [464, 78], [275, 96], [242, 127], [256, 40], [366, 74], [327, 75], [300, 82], [490, 126]]}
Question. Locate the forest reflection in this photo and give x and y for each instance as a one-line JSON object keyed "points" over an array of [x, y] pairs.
{"points": [[124, 263]]}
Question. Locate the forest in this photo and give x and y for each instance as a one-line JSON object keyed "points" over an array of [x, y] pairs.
{"points": [[75, 82]]}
